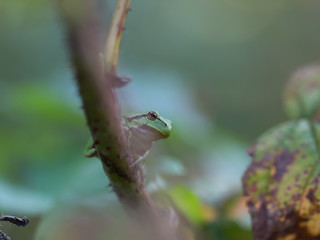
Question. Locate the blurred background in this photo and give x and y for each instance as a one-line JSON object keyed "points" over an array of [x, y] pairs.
{"points": [[215, 68]]}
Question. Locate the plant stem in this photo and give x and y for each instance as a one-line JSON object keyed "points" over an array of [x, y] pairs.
{"points": [[99, 100], [112, 46], [102, 112]]}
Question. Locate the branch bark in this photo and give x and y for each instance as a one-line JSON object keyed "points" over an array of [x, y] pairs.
{"points": [[102, 109], [100, 101]]}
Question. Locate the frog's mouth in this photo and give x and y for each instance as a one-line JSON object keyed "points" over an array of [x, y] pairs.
{"points": [[148, 133]]}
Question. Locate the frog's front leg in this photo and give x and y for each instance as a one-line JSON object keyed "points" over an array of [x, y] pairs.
{"points": [[138, 159]]}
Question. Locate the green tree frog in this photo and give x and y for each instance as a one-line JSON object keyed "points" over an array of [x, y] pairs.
{"points": [[141, 130]]}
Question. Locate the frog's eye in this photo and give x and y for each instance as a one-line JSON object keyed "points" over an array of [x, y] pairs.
{"points": [[152, 116]]}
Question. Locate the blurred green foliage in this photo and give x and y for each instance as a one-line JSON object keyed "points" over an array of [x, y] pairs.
{"points": [[282, 180], [215, 68]]}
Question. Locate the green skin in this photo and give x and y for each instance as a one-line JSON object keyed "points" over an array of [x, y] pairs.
{"points": [[141, 130]]}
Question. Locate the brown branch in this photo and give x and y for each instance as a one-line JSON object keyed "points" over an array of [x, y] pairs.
{"points": [[103, 115], [100, 102]]}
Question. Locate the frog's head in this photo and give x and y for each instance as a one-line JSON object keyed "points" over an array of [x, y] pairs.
{"points": [[153, 121]]}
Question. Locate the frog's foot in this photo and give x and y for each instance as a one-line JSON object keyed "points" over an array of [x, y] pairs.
{"points": [[91, 152]]}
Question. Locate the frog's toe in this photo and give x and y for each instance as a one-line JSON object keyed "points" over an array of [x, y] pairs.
{"points": [[91, 154]]}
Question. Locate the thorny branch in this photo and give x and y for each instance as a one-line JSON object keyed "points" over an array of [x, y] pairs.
{"points": [[3, 236], [14, 220], [102, 110]]}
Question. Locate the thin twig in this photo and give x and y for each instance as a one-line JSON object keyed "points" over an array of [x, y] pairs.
{"points": [[15, 220], [112, 46]]}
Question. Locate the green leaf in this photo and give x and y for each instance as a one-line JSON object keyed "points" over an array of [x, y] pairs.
{"points": [[188, 203], [282, 182], [225, 229], [302, 93]]}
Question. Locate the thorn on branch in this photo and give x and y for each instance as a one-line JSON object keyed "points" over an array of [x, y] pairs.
{"points": [[3, 236], [14, 220]]}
